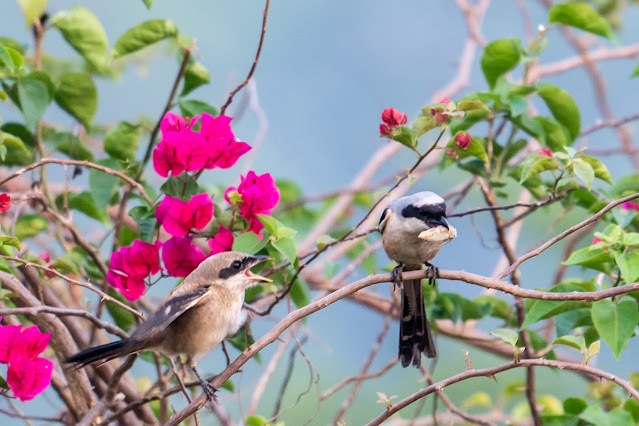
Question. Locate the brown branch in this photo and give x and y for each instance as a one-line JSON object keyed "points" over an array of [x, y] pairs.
{"points": [[89, 164], [255, 61], [490, 373], [609, 123], [564, 234], [359, 377]]}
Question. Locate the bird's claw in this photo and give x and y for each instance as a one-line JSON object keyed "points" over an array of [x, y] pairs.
{"points": [[434, 273], [209, 390], [396, 275]]}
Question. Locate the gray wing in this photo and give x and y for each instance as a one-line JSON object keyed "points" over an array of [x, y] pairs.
{"points": [[153, 329]]}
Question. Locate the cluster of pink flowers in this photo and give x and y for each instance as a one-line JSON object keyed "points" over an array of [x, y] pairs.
{"points": [[183, 149], [28, 374], [440, 115], [391, 118]]}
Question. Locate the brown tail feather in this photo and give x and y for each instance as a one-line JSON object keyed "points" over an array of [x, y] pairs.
{"points": [[415, 336]]}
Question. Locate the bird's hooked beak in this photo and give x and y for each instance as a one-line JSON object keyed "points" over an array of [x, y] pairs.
{"points": [[250, 275], [439, 221]]}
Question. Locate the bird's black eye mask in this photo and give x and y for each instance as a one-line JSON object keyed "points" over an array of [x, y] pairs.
{"points": [[430, 214], [237, 266]]}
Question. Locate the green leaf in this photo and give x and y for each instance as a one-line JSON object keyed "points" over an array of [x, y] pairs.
{"points": [[591, 257], [541, 309], [577, 342], [601, 171], [422, 125], [145, 219], [628, 264], [144, 35], [33, 10], [77, 95], [403, 135], [174, 187], [574, 405], [84, 202], [102, 184], [517, 104], [636, 72], [71, 146], [598, 417], [249, 242], [531, 126], [34, 96], [582, 16], [557, 137], [476, 149], [84, 32], [537, 164], [583, 171], [562, 106], [3, 383], [5, 57], [122, 142], [287, 247], [254, 420], [500, 56], [270, 223], [9, 241], [29, 225], [123, 318], [615, 323], [300, 293], [195, 76], [193, 107], [470, 105], [507, 335], [632, 406]]}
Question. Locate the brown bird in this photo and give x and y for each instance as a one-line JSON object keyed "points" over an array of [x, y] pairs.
{"points": [[197, 315], [414, 229]]}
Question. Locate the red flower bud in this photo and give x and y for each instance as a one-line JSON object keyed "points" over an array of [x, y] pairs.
{"points": [[545, 152], [393, 118], [445, 101], [5, 202], [463, 140]]}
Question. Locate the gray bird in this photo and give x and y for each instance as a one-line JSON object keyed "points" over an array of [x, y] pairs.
{"points": [[414, 229], [196, 316]]}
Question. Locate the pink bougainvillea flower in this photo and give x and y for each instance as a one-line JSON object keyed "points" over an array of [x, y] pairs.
{"points": [[545, 152], [439, 115], [259, 196], [172, 122], [132, 287], [5, 202], [222, 148], [47, 259], [17, 343], [385, 130], [630, 205], [178, 152], [181, 257], [178, 217], [393, 118], [463, 140], [141, 258], [445, 101], [223, 241], [29, 377]]}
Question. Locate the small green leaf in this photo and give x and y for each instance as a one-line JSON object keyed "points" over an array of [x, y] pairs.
{"points": [[254, 420], [29, 225], [193, 107], [5, 57], [144, 35], [77, 95], [517, 104], [270, 223], [33, 10], [123, 318], [537, 164], [470, 105], [583, 171], [84, 202], [577, 342], [422, 125], [3, 383], [403, 135], [287, 247], [148, 3], [562, 106], [636, 72], [122, 142], [249, 242], [102, 184], [174, 187], [478, 399], [507, 335], [591, 257], [628, 264], [557, 137], [71, 146], [324, 239], [541, 309], [300, 294], [617, 417], [84, 32], [10, 241], [145, 219], [615, 323], [34, 97], [574, 406], [582, 16], [500, 56], [195, 76], [601, 171], [476, 149]]}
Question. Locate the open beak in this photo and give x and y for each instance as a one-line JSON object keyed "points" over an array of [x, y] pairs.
{"points": [[250, 275], [439, 221]]}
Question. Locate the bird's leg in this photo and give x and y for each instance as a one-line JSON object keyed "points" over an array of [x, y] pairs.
{"points": [[396, 275], [434, 273], [208, 388]]}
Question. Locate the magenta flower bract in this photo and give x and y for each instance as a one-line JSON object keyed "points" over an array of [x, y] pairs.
{"points": [[630, 205], [130, 265], [181, 257], [28, 377], [259, 196], [180, 149], [179, 217], [223, 241], [222, 148], [545, 152], [5, 202]]}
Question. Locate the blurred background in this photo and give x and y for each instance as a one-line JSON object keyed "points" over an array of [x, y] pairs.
{"points": [[327, 70]]}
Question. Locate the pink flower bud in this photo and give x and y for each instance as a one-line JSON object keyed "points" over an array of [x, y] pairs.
{"points": [[5, 202], [393, 118], [545, 152], [463, 140]]}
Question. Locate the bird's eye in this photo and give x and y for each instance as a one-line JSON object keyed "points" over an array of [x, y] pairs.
{"points": [[236, 264]]}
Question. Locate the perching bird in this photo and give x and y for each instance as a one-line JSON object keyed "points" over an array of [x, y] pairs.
{"points": [[196, 316], [413, 229]]}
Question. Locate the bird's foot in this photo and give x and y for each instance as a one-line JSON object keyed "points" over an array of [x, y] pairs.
{"points": [[434, 273], [207, 387], [396, 275]]}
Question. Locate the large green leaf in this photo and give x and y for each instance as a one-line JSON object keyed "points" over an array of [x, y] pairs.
{"points": [[84, 32], [590, 257], [122, 142], [582, 16], [563, 107], [595, 415], [144, 35], [615, 323], [102, 184], [500, 56], [540, 309], [557, 136], [34, 93], [70, 145], [84, 202], [77, 95], [628, 264]]}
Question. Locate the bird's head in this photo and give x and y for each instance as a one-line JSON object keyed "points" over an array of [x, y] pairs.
{"points": [[424, 209], [231, 269]]}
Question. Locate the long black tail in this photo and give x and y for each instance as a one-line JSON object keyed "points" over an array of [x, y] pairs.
{"points": [[102, 353], [414, 333]]}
